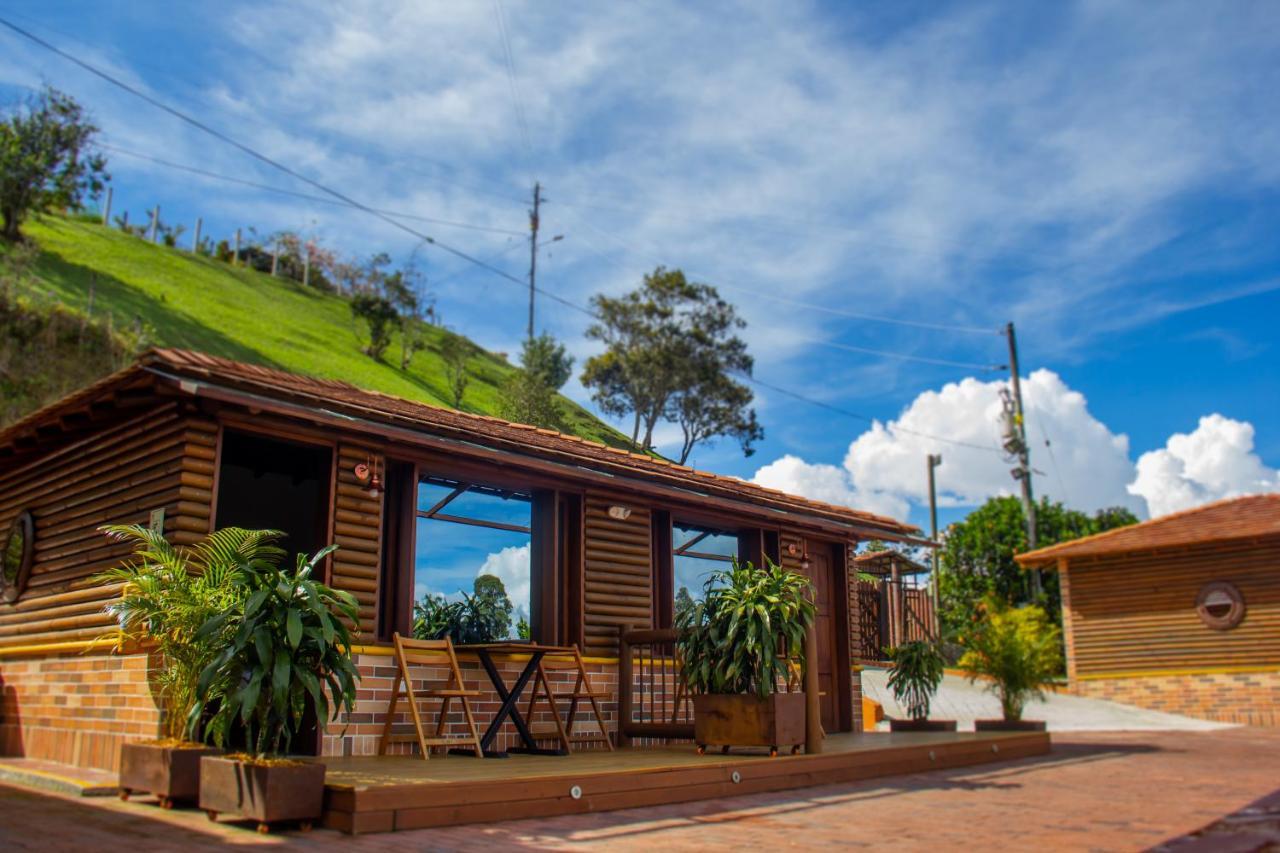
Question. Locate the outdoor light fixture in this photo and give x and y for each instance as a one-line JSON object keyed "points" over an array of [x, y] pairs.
{"points": [[367, 473], [621, 513]]}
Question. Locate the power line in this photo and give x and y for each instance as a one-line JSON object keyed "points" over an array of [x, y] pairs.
{"points": [[812, 306], [909, 357], [847, 413], [295, 194], [508, 55], [199, 125]]}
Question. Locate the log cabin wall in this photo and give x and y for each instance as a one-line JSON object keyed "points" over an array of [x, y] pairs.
{"points": [[160, 460], [357, 530], [617, 576], [1138, 612]]}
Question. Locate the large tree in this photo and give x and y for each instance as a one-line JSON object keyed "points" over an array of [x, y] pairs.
{"points": [[46, 159], [672, 352], [977, 553]]}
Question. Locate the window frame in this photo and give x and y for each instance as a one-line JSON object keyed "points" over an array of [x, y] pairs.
{"points": [[23, 524]]}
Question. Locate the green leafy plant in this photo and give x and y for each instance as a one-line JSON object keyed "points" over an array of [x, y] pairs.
{"points": [[1018, 648], [170, 593], [914, 678], [279, 655], [480, 617], [740, 637]]}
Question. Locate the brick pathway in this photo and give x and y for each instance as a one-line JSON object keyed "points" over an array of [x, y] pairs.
{"points": [[1097, 791]]}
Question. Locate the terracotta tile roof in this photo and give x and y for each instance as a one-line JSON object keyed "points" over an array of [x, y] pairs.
{"points": [[1247, 517], [336, 395], [872, 561]]}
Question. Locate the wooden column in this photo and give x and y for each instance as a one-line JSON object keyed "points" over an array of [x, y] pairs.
{"points": [[897, 616], [624, 685], [812, 699]]}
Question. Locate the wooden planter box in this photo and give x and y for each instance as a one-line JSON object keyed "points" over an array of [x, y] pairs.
{"points": [[171, 772], [922, 725], [1008, 725], [726, 720], [266, 793]]}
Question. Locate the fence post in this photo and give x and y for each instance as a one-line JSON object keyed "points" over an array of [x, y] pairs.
{"points": [[124, 221], [275, 258], [812, 693], [106, 208], [306, 266], [155, 222], [624, 685], [235, 258], [195, 244]]}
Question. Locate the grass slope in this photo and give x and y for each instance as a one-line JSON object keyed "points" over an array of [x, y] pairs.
{"points": [[202, 304]]}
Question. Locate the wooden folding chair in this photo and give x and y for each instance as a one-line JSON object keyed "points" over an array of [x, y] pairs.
{"points": [[429, 652], [568, 658]]}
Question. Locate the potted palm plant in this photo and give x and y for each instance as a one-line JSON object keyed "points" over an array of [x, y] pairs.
{"points": [[1017, 650], [168, 593], [288, 652], [914, 677], [736, 647]]}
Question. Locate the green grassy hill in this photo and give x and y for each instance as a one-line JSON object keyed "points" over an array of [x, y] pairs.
{"points": [[199, 303]]}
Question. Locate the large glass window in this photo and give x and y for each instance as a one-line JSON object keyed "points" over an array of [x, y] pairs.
{"points": [[471, 572], [696, 553]]}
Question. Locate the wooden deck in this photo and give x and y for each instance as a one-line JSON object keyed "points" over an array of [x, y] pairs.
{"points": [[390, 793]]}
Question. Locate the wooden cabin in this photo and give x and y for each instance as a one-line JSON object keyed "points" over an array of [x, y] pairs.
{"points": [[589, 541], [1180, 613]]}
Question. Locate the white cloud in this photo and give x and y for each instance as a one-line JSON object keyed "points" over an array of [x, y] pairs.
{"points": [[1214, 461], [885, 465], [511, 566], [827, 483]]}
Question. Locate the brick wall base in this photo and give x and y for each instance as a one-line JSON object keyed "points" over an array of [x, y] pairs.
{"points": [[1251, 698], [76, 709], [360, 733]]}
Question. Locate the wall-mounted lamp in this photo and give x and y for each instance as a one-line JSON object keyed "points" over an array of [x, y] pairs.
{"points": [[367, 473], [805, 562], [621, 513]]}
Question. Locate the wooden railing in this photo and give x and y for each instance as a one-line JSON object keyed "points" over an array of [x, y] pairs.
{"points": [[653, 703]]}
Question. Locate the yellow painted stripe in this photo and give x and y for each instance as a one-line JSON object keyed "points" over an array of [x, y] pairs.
{"points": [[1173, 673], [60, 648]]}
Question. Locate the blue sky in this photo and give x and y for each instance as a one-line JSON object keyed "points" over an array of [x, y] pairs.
{"points": [[1103, 174]]}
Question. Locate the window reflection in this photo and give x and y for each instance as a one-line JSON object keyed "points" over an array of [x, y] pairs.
{"points": [[697, 552], [472, 566]]}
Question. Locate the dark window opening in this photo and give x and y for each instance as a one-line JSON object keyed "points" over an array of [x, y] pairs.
{"points": [[268, 484]]}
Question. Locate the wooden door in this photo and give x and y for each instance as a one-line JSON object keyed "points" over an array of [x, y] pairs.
{"points": [[820, 572]]}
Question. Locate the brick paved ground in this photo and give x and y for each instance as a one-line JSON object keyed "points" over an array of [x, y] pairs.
{"points": [[1097, 791]]}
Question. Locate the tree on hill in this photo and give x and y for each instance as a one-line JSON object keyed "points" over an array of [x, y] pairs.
{"points": [[671, 352], [46, 159], [529, 395], [454, 352], [977, 554]]}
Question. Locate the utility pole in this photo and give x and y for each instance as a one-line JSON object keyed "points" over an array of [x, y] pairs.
{"points": [[1015, 443], [935, 459], [533, 250]]}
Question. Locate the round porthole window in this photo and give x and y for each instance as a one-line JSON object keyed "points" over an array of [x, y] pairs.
{"points": [[1220, 605], [15, 559]]}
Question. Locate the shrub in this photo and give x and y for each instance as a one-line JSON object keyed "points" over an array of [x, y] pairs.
{"points": [[171, 592], [277, 654], [915, 676], [743, 635], [1019, 649]]}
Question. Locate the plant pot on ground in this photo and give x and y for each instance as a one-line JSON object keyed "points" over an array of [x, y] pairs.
{"points": [[1009, 725], [167, 595], [168, 769], [1017, 650], [736, 646], [287, 653], [916, 673]]}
